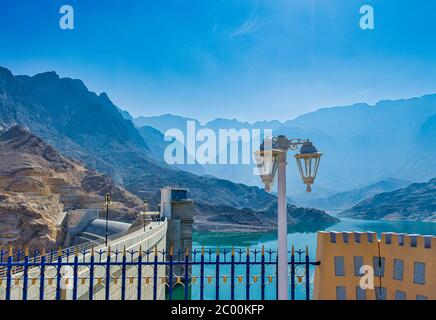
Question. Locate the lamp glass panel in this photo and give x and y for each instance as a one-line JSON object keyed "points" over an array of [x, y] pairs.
{"points": [[267, 165]]}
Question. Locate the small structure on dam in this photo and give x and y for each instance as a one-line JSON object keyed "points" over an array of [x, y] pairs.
{"points": [[179, 210]]}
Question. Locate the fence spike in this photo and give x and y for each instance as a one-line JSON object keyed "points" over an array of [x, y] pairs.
{"points": [[307, 250], [155, 250], [140, 251], [218, 250], [293, 250], [186, 251], [26, 251], [171, 251], [92, 250], [60, 251], [76, 251], [44, 252], [263, 250], [11, 252], [124, 250], [109, 250], [202, 250], [248, 251], [233, 251]]}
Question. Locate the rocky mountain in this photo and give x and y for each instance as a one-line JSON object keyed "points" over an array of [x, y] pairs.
{"points": [[344, 200], [417, 202], [38, 185], [89, 127], [221, 218]]}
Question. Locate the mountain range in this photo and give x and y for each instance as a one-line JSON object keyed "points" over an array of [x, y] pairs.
{"points": [[416, 202], [362, 144], [345, 200], [89, 128]]}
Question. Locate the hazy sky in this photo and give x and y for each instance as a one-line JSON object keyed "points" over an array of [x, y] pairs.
{"points": [[245, 59]]}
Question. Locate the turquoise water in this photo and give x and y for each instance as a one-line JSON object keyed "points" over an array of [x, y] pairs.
{"points": [[299, 239]]}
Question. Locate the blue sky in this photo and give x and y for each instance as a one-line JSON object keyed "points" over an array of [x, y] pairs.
{"points": [[245, 59]]}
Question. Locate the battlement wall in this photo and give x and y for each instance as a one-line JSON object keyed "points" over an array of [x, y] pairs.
{"points": [[404, 266]]}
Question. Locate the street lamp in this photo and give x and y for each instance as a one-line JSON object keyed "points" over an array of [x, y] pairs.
{"points": [[271, 161], [145, 213], [107, 199]]}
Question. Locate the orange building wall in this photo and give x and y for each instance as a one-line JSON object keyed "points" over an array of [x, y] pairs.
{"points": [[326, 280]]}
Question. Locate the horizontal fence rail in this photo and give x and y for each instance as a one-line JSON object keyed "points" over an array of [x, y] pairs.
{"points": [[107, 274]]}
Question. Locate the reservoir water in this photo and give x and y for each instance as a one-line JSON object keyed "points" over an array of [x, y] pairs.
{"points": [[269, 240]]}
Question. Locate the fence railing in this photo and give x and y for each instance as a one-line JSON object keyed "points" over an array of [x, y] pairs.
{"points": [[153, 274], [53, 255]]}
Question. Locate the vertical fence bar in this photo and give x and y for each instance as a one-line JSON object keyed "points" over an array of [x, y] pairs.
{"points": [[91, 275], [25, 273], [123, 275], [277, 275], [170, 275], [139, 289], [262, 274], [107, 287], [42, 276], [58, 275], [247, 276], [217, 274], [8, 273], [155, 274], [232, 275], [186, 274], [307, 275], [293, 274], [75, 273], [202, 274]]}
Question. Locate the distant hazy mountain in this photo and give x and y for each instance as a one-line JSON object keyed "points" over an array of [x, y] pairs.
{"points": [[344, 200], [164, 122], [361, 144], [416, 202], [157, 145], [89, 127]]}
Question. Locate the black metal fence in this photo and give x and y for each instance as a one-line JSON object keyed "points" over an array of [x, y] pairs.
{"points": [[75, 274]]}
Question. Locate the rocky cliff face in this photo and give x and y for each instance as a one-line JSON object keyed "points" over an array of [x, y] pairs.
{"points": [[38, 184], [221, 218], [417, 202]]}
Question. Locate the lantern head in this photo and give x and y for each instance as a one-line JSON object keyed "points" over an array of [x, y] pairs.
{"points": [[308, 162], [267, 163]]}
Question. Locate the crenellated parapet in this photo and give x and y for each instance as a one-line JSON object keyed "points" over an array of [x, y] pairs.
{"points": [[401, 266]]}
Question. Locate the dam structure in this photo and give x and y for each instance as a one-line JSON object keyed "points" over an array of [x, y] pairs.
{"points": [[85, 272], [130, 266]]}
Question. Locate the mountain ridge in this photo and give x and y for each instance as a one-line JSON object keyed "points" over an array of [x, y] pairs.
{"points": [[416, 202]]}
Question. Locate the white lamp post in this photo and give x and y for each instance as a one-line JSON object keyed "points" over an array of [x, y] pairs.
{"points": [[271, 159]]}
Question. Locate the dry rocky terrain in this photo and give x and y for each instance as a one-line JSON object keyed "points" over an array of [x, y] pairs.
{"points": [[38, 184]]}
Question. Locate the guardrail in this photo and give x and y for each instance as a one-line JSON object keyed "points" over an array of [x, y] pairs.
{"points": [[83, 250], [137, 274]]}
